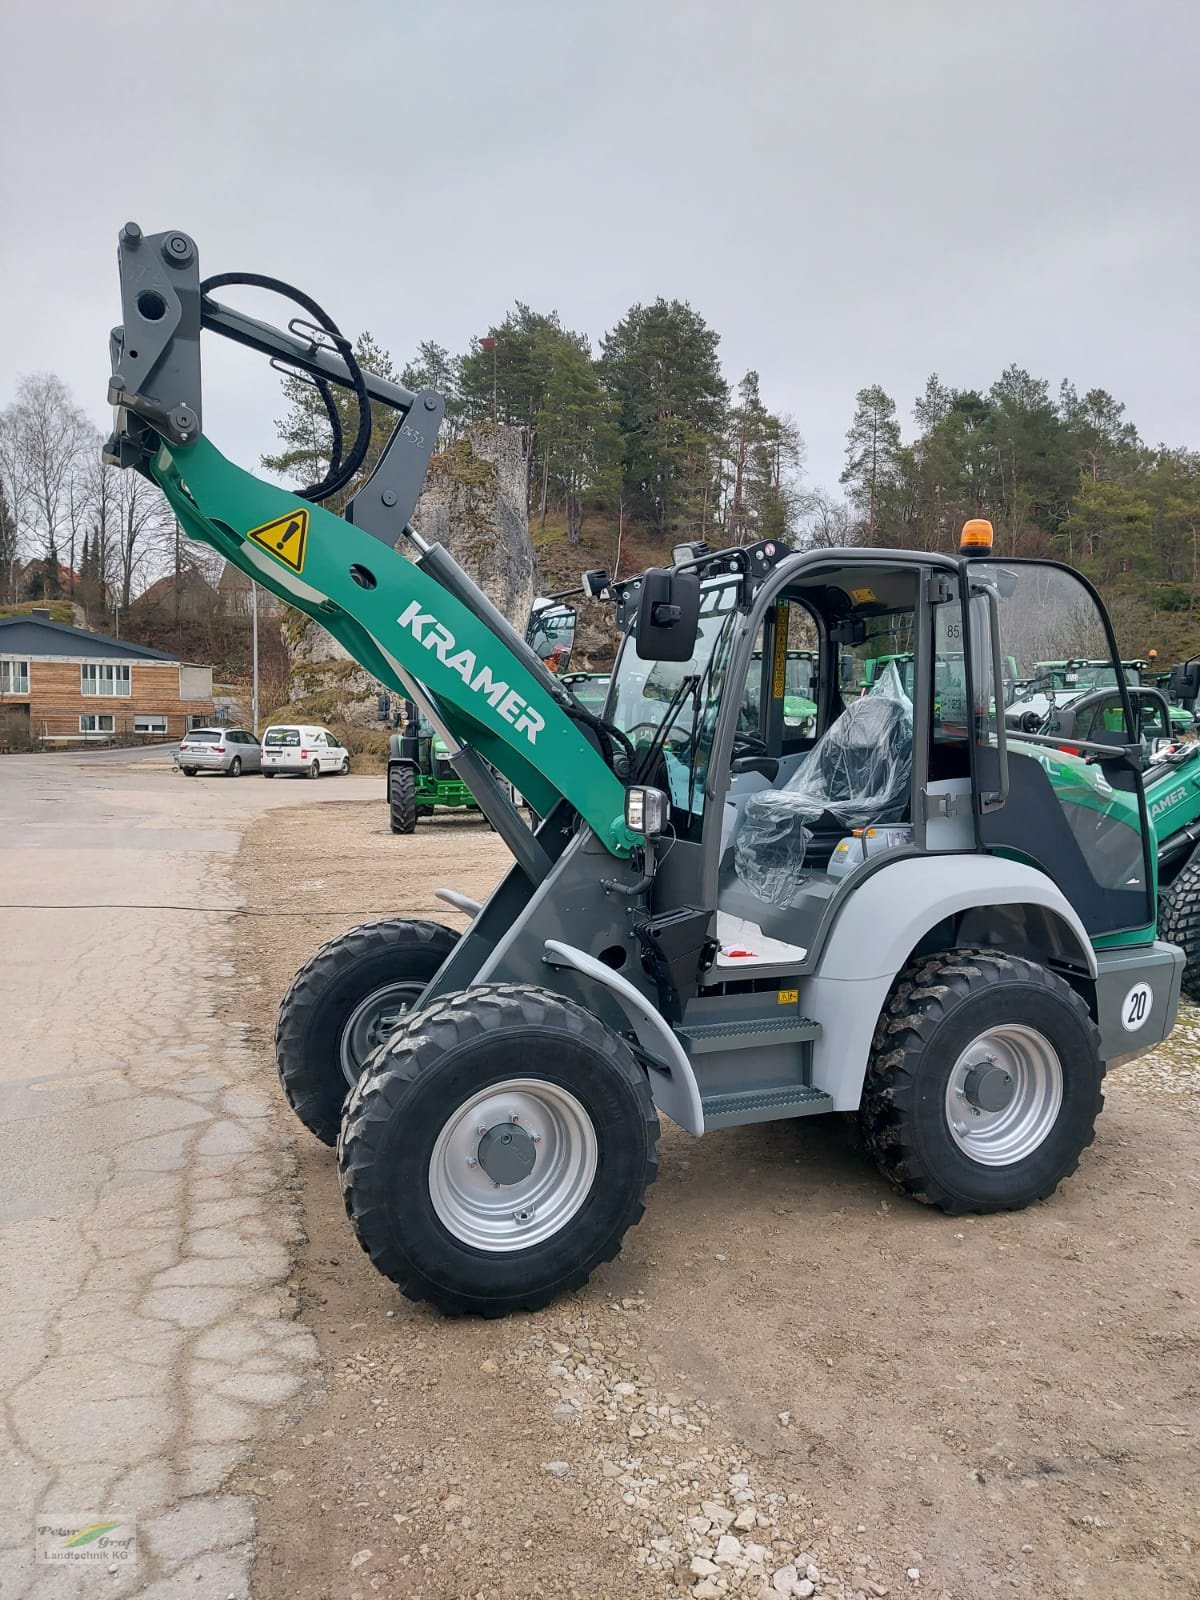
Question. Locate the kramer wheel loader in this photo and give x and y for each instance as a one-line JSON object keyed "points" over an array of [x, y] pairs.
{"points": [[670, 938]]}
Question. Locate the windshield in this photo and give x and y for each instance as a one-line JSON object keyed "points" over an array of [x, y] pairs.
{"points": [[590, 692], [647, 691]]}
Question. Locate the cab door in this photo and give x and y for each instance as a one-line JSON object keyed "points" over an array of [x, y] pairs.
{"points": [[1078, 813]]}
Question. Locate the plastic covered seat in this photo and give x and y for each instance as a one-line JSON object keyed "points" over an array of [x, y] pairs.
{"points": [[857, 774]]}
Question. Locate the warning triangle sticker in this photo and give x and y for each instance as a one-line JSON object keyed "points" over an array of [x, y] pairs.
{"points": [[286, 538]]}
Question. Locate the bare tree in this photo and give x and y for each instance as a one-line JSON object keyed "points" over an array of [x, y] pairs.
{"points": [[826, 523], [140, 533], [46, 436]]}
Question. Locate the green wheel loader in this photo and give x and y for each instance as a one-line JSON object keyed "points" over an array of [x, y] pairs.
{"points": [[1171, 777], [682, 933]]}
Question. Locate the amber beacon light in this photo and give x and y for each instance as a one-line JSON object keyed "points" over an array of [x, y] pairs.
{"points": [[976, 537]]}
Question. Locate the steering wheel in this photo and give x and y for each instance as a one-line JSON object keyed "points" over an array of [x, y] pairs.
{"points": [[748, 744]]}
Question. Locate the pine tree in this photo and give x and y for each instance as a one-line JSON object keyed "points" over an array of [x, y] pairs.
{"points": [[8, 548], [305, 433], [577, 438], [872, 455], [660, 366]]}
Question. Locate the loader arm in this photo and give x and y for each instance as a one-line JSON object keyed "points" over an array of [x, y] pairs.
{"points": [[447, 650]]}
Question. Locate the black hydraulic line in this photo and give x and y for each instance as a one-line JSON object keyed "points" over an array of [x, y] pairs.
{"points": [[335, 424], [339, 474]]}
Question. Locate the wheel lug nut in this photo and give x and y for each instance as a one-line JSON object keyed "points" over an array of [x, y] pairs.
{"points": [[471, 1161], [536, 1138]]}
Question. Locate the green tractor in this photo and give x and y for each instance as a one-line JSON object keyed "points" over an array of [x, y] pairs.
{"points": [[1054, 685], [670, 939], [799, 711], [420, 776]]}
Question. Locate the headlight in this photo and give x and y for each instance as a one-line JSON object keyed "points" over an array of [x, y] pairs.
{"points": [[645, 811]]}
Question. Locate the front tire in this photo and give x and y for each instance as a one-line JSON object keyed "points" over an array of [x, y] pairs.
{"points": [[984, 1083], [235, 767], [344, 769], [496, 1116], [1179, 922], [402, 800], [343, 1003]]}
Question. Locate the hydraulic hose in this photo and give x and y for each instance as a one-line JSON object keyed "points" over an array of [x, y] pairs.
{"points": [[340, 472]]}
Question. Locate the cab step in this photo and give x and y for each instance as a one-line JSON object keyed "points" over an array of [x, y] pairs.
{"points": [[697, 1038], [763, 1105]]}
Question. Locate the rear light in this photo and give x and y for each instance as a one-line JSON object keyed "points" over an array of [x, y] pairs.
{"points": [[304, 755], [220, 749], [183, 746], [1070, 750]]}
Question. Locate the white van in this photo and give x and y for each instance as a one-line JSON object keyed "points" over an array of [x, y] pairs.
{"points": [[290, 747]]}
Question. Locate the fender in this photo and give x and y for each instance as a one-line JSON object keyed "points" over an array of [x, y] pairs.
{"points": [[676, 1091], [882, 921]]}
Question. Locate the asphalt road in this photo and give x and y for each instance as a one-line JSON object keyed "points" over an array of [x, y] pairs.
{"points": [[147, 1337]]}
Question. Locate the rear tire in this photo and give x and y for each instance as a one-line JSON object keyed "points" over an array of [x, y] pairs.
{"points": [[340, 1006], [1179, 922], [314, 771], [235, 767], [429, 1201], [189, 772], [268, 774], [402, 800], [951, 1022]]}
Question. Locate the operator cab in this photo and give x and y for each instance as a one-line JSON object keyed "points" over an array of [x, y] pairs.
{"points": [[910, 661]]}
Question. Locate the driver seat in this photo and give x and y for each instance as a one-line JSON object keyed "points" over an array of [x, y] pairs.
{"points": [[857, 774]]}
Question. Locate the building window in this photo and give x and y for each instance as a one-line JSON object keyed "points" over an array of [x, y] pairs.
{"points": [[14, 677], [106, 680], [96, 722], [195, 720], [150, 722]]}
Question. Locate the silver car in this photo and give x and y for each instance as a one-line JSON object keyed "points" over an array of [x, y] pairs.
{"points": [[229, 750]]}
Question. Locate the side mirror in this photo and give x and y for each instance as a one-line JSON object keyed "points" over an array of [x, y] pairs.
{"points": [[1185, 683], [668, 618], [551, 636]]}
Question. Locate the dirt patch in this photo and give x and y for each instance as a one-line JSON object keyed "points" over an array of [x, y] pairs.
{"points": [[789, 1370]]}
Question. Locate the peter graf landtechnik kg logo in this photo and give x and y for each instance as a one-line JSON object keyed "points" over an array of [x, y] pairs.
{"points": [[111, 1541]]}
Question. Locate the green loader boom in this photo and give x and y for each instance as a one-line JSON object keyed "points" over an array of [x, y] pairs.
{"points": [[418, 625]]}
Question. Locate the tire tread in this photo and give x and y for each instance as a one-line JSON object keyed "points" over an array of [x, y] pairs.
{"points": [[921, 997]]}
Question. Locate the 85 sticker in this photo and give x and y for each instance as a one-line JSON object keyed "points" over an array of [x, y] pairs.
{"points": [[1136, 1006]]}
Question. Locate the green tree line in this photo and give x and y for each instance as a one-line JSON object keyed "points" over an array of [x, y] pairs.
{"points": [[645, 428], [1063, 475]]}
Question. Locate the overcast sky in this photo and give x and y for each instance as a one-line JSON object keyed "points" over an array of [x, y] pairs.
{"points": [[849, 193]]}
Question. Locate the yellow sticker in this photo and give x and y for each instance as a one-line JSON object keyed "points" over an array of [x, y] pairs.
{"points": [[788, 997], [862, 597], [779, 673], [286, 538]]}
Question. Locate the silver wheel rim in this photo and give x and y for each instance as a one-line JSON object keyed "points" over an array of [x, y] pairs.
{"points": [[1000, 1138], [372, 1023], [476, 1210]]}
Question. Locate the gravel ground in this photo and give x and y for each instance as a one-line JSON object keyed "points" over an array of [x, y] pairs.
{"points": [[791, 1382]]}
